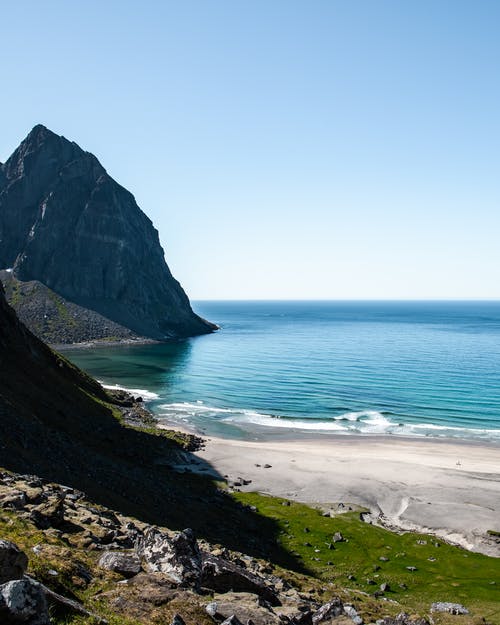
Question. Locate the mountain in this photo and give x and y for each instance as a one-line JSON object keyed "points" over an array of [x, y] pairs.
{"points": [[66, 223]]}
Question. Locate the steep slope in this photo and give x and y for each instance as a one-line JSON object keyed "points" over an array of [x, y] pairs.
{"points": [[66, 223], [54, 319], [60, 424]]}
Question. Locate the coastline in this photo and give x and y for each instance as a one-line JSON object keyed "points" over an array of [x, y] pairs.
{"points": [[61, 347], [450, 489]]}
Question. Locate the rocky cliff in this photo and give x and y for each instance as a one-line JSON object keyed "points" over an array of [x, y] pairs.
{"points": [[67, 224]]}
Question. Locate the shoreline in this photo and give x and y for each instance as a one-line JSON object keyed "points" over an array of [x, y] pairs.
{"points": [[61, 347], [446, 488]]}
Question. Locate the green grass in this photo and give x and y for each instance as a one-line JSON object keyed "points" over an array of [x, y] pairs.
{"points": [[444, 573]]}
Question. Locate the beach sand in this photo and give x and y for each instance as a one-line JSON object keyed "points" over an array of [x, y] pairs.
{"points": [[450, 489]]}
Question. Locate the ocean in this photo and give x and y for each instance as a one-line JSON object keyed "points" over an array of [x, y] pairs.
{"points": [[313, 369]]}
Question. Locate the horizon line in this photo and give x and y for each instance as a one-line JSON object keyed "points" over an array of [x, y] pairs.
{"points": [[259, 299]]}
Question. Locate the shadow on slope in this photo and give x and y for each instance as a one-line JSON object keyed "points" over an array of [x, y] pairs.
{"points": [[57, 422]]}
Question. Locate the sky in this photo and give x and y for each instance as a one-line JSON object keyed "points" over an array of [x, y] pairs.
{"points": [[284, 149]]}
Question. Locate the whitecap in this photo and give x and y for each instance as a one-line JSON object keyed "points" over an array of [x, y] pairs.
{"points": [[142, 392]]}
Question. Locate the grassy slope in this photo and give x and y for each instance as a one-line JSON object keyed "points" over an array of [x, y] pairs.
{"points": [[456, 575]]}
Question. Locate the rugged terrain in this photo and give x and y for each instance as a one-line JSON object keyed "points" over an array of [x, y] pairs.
{"points": [[56, 320], [65, 223], [117, 526]]}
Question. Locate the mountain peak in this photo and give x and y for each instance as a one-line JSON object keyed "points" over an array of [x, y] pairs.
{"points": [[66, 224]]}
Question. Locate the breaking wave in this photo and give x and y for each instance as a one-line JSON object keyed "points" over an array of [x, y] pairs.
{"points": [[361, 422], [141, 392]]}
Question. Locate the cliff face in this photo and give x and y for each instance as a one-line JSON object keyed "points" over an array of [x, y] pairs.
{"points": [[66, 223]]}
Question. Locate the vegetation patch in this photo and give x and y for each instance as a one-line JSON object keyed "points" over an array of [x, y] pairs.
{"points": [[418, 569]]}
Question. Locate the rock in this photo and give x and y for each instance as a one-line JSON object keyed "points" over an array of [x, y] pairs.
{"points": [[13, 499], [49, 514], [353, 615], [268, 466], [329, 610], [13, 561], [178, 557], [177, 620], [451, 608], [211, 608], [411, 568], [23, 601], [402, 619], [385, 587], [232, 620], [222, 576], [126, 564], [52, 191], [338, 538], [383, 559], [244, 606]]}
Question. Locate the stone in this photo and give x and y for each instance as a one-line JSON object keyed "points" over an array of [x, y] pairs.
{"points": [[49, 514], [13, 561], [223, 576], [338, 538], [327, 611], [23, 601], [126, 564], [177, 620], [13, 499], [353, 615], [232, 620], [451, 608], [244, 606], [178, 557], [402, 619], [385, 587], [211, 608]]}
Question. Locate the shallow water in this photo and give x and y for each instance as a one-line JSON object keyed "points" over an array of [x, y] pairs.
{"points": [[291, 368]]}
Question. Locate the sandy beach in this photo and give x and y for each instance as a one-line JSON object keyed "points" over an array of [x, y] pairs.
{"points": [[450, 489]]}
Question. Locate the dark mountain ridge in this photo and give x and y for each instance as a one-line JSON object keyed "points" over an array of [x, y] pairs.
{"points": [[66, 223]]}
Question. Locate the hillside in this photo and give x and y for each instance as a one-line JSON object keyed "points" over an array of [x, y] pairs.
{"points": [[94, 494]]}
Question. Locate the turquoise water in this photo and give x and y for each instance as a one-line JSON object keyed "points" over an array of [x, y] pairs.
{"points": [[294, 369]]}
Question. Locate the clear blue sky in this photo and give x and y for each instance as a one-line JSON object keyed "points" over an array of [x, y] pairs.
{"points": [[284, 149]]}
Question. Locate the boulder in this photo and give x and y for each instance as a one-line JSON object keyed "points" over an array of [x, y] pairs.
{"points": [[451, 608], [178, 557], [224, 576], [329, 610], [49, 514], [13, 499], [353, 615], [23, 601], [244, 606], [126, 564], [13, 562]]}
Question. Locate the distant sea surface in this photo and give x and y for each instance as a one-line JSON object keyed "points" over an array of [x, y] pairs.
{"points": [[302, 369]]}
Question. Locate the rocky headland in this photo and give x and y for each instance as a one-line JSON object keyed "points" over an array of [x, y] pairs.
{"points": [[67, 225]]}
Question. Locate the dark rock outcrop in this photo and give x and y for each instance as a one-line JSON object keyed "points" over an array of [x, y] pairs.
{"points": [[66, 223], [13, 561], [220, 575]]}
